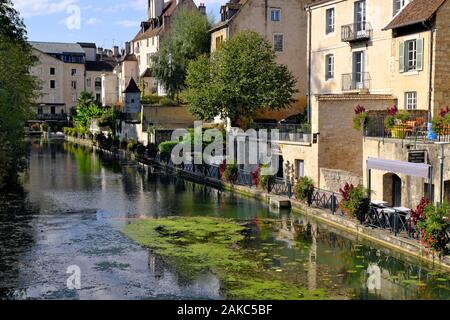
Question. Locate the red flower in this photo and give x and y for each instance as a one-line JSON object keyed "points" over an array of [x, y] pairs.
{"points": [[359, 109], [392, 111], [444, 112]]}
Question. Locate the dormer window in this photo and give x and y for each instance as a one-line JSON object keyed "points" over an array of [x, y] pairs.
{"points": [[399, 5]]}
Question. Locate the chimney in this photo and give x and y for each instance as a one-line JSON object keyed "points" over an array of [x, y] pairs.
{"points": [[115, 51], [202, 8], [155, 8], [127, 47]]}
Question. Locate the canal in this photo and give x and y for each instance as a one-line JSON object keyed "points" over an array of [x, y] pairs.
{"points": [[75, 203]]}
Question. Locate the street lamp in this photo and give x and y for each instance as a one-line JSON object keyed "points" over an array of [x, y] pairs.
{"points": [[441, 160]]}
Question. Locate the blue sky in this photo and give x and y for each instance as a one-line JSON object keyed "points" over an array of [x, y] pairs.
{"points": [[105, 22]]}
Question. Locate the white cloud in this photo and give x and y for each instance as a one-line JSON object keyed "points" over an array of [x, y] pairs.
{"points": [[93, 22], [128, 23], [30, 8]]}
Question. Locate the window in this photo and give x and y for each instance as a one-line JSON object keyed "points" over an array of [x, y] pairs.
{"points": [[98, 97], [300, 168], [98, 83], [153, 41], [411, 100], [360, 15], [52, 110], [275, 14], [88, 82], [398, 5], [148, 42], [330, 20], [149, 59], [74, 85], [219, 41], [52, 84], [74, 72], [278, 42], [329, 66], [52, 71], [411, 55]]}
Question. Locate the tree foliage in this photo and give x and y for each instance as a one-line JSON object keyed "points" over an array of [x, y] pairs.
{"points": [[17, 92], [189, 37], [88, 109], [239, 79]]}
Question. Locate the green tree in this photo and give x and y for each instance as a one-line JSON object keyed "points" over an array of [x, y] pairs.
{"points": [[189, 37], [17, 92], [88, 109], [239, 79]]}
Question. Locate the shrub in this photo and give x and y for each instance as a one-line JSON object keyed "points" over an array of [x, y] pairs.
{"points": [[434, 228], [165, 149], [231, 173], [152, 150], [35, 127], [116, 142], [360, 117], [123, 143], [167, 102], [355, 201], [304, 189], [140, 149], [45, 127], [131, 145], [151, 99]]}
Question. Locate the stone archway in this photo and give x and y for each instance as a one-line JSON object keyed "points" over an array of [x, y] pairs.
{"points": [[392, 189]]}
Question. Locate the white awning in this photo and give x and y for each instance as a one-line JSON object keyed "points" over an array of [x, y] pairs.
{"points": [[401, 167]]}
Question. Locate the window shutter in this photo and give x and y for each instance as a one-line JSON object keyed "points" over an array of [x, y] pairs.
{"points": [[419, 45], [402, 57]]}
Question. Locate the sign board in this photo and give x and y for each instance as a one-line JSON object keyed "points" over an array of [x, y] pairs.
{"points": [[417, 156]]}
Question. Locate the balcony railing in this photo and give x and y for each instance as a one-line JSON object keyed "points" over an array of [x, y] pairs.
{"points": [[356, 81], [54, 117], [359, 31], [286, 132], [414, 130]]}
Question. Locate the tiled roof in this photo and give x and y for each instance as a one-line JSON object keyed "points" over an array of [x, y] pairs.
{"points": [[87, 45], [57, 47], [99, 66], [132, 87], [416, 11], [129, 57], [168, 9]]}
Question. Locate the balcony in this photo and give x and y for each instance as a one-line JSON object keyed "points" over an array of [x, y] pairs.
{"points": [[52, 117], [286, 132], [356, 81], [360, 31]]}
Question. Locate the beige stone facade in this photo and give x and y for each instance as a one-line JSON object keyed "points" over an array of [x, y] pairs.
{"points": [[280, 21]]}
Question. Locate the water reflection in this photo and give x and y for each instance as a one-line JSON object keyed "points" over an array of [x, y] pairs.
{"points": [[75, 201]]}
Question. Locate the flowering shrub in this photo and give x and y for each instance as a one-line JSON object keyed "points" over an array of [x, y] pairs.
{"points": [[304, 189], [355, 202], [256, 176], [394, 116], [433, 228], [360, 117], [419, 214], [443, 112], [442, 121]]}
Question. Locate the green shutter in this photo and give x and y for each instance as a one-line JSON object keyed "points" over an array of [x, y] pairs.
{"points": [[402, 57], [419, 45]]}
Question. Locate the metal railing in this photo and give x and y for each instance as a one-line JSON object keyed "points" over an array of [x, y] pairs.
{"points": [[49, 116], [358, 31], [286, 132], [414, 130], [356, 81]]}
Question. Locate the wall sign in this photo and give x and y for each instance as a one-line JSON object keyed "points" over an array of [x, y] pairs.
{"points": [[417, 156]]}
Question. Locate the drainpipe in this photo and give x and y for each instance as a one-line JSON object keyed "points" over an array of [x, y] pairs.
{"points": [[308, 109], [430, 80]]}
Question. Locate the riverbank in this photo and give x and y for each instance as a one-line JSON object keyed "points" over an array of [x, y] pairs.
{"points": [[382, 237]]}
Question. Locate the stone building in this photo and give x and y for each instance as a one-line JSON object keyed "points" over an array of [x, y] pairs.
{"points": [[377, 54], [284, 24], [60, 69]]}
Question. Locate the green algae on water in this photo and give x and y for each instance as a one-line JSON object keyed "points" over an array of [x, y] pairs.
{"points": [[193, 245]]}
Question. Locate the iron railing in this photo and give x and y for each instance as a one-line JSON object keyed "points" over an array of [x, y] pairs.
{"points": [[358, 31], [356, 81], [286, 132], [415, 130], [52, 117]]}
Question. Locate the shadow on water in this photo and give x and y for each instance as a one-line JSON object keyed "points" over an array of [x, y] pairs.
{"points": [[76, 201]]}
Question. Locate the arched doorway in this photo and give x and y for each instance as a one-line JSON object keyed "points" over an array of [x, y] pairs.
{"points": [[392, 189]]}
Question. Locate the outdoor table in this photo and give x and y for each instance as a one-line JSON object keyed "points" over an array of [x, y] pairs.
{"points": [[385, 216], [379, 203]]}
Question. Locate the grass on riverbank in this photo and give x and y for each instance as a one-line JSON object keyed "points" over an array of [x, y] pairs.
{"points": [[195, 245]]}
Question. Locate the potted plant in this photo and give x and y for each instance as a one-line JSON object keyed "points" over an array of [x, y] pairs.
{"points": [[355, 201], [359, 118], [304, 190], [433, 228], [306, 129]]}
